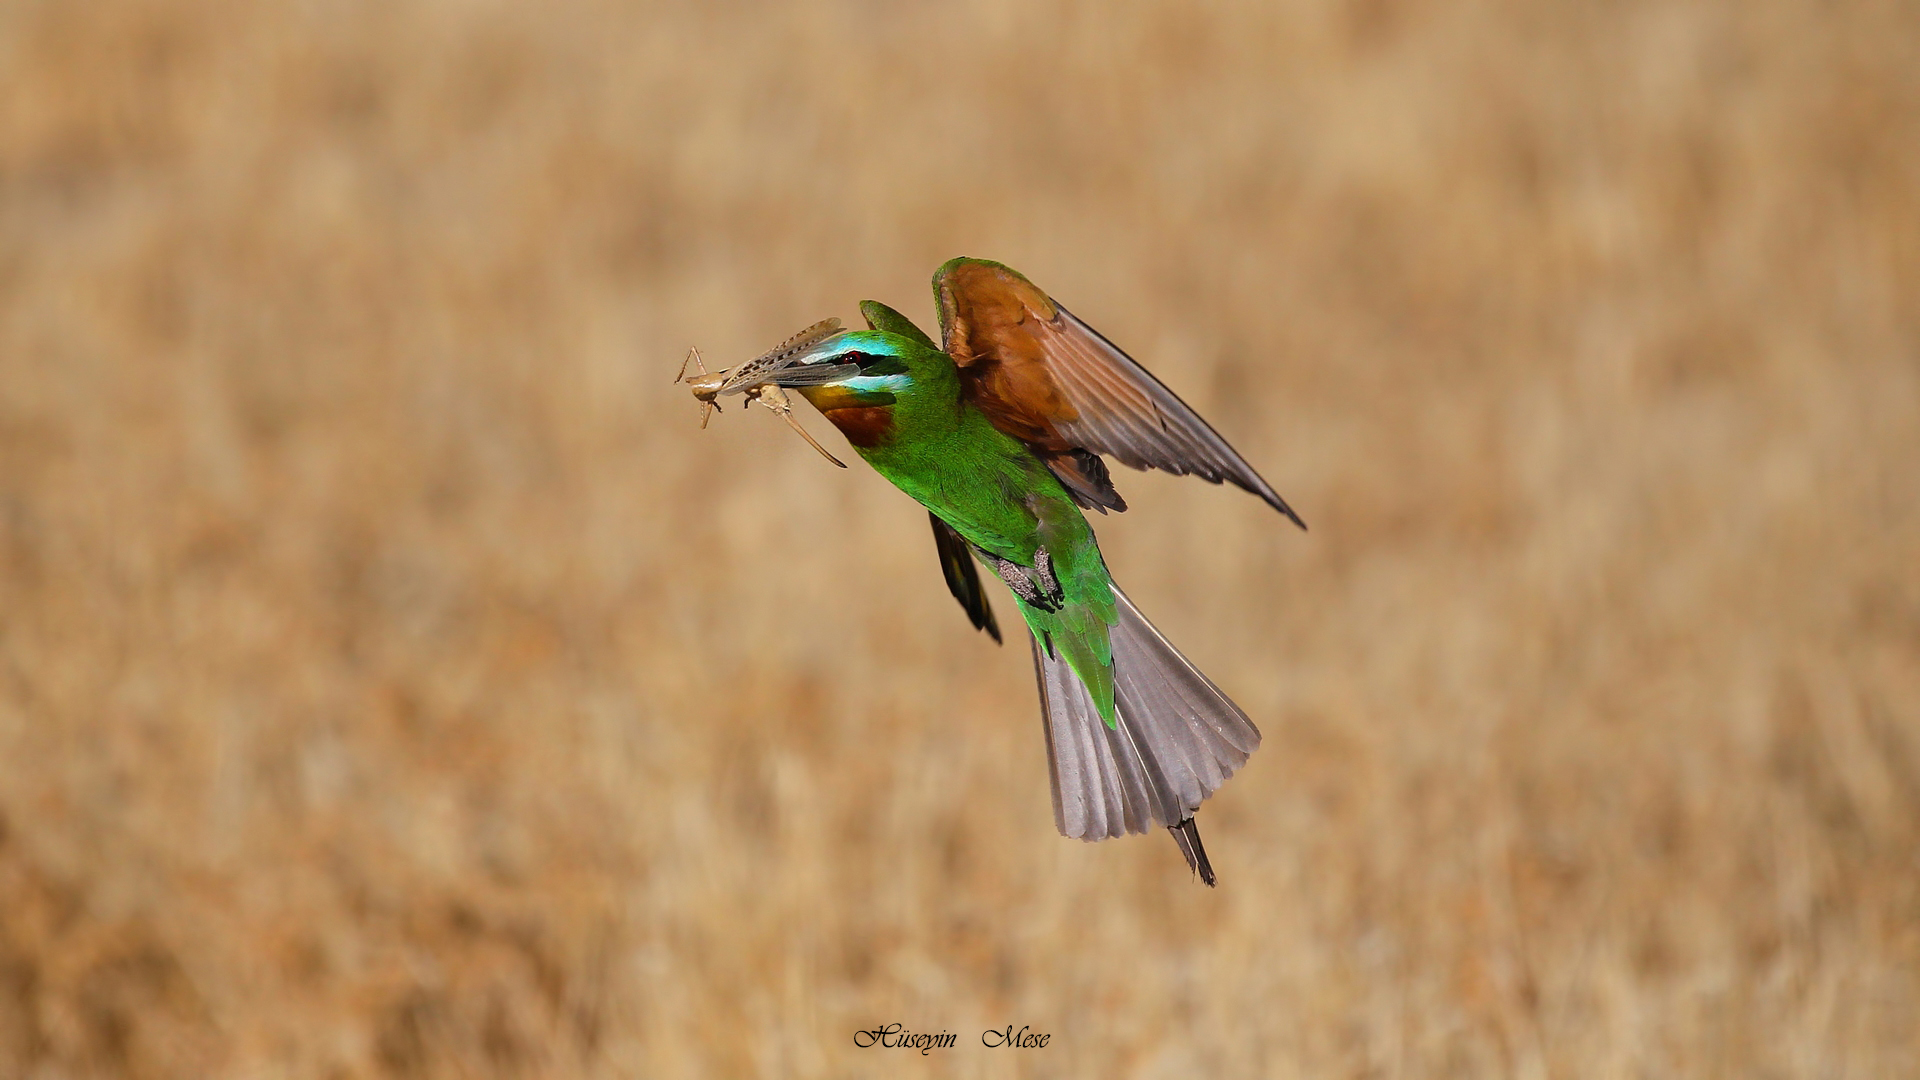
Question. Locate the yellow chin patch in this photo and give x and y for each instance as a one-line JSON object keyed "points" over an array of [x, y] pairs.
{"points": [[829, 398]]}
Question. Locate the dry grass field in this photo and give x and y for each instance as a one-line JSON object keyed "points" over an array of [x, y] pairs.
{"points": [[395, 681]]}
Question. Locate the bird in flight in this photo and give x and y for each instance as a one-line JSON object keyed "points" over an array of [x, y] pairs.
{"points": [[999, 430]]}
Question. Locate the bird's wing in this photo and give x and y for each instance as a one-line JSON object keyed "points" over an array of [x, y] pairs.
{"points": [[1051, 380], [1082, 472], [881, 317], [963, 576]]}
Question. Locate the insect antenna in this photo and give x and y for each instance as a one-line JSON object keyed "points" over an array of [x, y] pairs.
{"points": [[705, 386]]}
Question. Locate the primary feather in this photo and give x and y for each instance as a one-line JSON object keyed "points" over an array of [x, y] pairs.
{"points": [[1055, 383]]}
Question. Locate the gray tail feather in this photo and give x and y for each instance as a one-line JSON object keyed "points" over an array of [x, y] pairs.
{"points": [[1177, 740], [1187, 835]]}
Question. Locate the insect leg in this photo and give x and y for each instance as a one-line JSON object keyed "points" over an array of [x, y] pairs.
{"points": [[776, 399]]}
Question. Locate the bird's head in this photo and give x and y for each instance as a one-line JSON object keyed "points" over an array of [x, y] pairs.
{"points": [[858, 368], [857, 380]]}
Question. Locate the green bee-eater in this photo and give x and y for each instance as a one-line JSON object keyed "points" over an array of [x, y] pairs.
{"points": [[998, 435]]}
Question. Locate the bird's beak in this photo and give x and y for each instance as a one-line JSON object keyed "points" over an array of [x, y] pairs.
{"points": [[771, 366], [816, 365]]}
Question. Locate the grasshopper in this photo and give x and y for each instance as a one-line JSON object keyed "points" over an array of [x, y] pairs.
{"points": [[755, 378]]}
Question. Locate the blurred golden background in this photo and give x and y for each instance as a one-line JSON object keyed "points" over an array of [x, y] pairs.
{"points": [[395, 681]]}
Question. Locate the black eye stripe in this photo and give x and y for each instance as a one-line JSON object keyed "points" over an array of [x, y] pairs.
{"points": [[875, 363]]}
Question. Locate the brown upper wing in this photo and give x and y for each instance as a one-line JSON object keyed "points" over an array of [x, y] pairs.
{"points": [[1049, 379]]}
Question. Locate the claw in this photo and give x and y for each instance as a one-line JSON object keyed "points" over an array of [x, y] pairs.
{"points": [[1043, 569]]}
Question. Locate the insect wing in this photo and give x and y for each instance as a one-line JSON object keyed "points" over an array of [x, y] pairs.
{"points": [[755, 371], [814, 374]]}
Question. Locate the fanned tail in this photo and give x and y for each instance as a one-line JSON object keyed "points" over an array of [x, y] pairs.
{"points": [[1176, 740]]}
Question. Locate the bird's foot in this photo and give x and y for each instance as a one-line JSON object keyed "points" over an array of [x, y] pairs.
{"points": [[1035, 584], [1043, 569]]}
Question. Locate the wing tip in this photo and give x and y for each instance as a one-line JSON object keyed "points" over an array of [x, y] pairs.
{"points": [[1194, 449], [1256, 485], [1280, 504], [963, 577]]}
